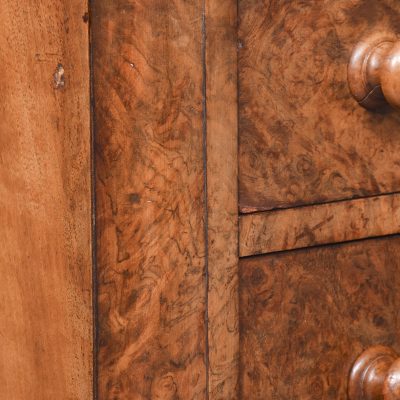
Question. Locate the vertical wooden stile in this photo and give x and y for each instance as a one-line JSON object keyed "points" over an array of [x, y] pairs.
{"points": [[222, 142], [147, 60]]}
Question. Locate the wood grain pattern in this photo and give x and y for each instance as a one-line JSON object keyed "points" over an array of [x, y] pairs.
{"points": [[45, 206], [306, 315], [150, 199], [321, 224], [222, 199], [303, 138]]}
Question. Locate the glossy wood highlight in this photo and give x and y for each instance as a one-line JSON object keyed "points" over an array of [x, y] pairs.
{"points": [[375, 375], [45, 206], [294, 228], [221, 90], [306, 315], [373, 71], [303, 139], [150, 199]]}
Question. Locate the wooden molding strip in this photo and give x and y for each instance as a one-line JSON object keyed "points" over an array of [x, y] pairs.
{"points": [[320, 224], [222, 164]]}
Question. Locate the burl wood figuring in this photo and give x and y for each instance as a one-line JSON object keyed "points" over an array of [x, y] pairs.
{"points": [[374, 71], [306, 315], [187, 96], [45, 207], [314, 225], [222, 199], [302, 137], [375, 375], [166, 220], [151, 245]]}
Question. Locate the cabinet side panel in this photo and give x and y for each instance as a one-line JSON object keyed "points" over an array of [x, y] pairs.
{"points": [[45, 205]]}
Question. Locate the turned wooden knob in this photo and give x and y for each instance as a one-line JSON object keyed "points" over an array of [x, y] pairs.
{"points": [[375, 375], [374, 71]]}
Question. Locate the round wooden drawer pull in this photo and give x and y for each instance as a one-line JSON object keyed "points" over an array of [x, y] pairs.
{"points": [[375, 375], [374, 71]]}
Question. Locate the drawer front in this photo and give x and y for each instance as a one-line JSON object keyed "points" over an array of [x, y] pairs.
{"points": [[303, 139], [306, 315]]}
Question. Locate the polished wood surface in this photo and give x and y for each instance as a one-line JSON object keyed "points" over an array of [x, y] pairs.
{"points": [[375, 375], [295, 228], [45, 206], [306, 315], [148, 82], [222, 215], [171, 103], [391, 388], [374, 71], [302, 137]]}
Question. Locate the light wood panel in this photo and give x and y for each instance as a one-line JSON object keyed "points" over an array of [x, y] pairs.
{"points": [[45, 211], [306, 315], [303, 138], [313, 225], [221, 99], [148, 89]]}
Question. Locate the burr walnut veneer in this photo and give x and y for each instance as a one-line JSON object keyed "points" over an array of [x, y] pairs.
{"points": [[302, 137], [199, 199]]}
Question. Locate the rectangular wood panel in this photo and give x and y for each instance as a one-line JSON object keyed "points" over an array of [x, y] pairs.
{"points": [[221, 102], [306, 315], [45, 206], [151, 252], [320, 224], [302, 138]]}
